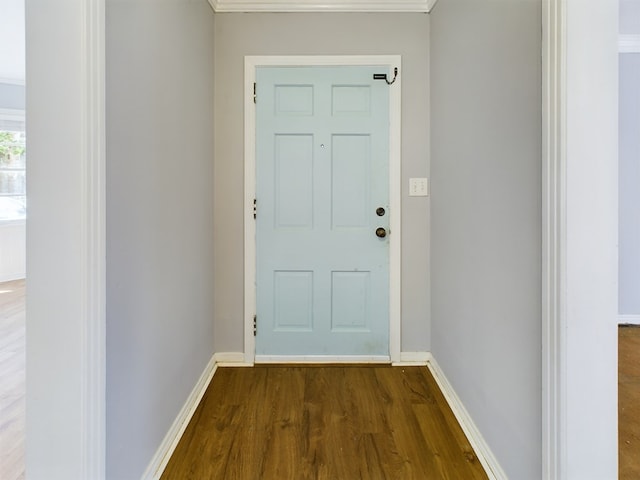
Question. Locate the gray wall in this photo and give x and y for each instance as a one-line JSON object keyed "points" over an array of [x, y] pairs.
{"points": [[486, 218], [238, 35], [629, 16], [159, 219], [629, 171], [629, 167]]}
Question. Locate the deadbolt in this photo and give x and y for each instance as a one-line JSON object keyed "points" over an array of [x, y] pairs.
{"points": [[381, 232], [380, 211]]}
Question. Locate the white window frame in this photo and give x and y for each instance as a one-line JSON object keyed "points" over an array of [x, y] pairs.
{"points": [[18, 116]]}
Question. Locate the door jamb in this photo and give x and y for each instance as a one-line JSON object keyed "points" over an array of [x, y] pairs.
{"points": [[387, 62], [579, 331]]}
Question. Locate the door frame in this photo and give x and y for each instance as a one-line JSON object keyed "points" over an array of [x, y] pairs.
{"points": [[387, 64], [579, 241], [66, 272]]}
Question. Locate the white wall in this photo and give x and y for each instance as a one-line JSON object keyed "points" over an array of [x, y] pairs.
{"points": [[12, 250], [12, 95], [486, 219], [12, 40], [159, 219], [238, 35]]}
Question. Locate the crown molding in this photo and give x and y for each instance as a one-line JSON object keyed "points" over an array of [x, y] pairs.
{"points": [[419, 6]]}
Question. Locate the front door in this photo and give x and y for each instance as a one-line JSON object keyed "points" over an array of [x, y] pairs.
{"points": [[322, 190]]}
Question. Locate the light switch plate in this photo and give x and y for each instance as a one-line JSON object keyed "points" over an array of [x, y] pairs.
{"points": [[418, 187]]}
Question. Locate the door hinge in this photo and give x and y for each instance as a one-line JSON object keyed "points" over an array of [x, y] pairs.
{"points": [[254, 93], [255, 325], [255, 208]]}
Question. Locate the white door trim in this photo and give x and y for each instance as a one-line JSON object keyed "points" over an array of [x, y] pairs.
{"points": [[420, 6], [579, 264], [94, 239], [386, 62], [553, 238], [66, 271]]}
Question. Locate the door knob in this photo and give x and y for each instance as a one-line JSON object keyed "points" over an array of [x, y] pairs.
{"points": [[381, 232]]}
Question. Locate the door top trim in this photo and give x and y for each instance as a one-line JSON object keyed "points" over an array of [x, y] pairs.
{"points": [[252, 61], [417, 6]]}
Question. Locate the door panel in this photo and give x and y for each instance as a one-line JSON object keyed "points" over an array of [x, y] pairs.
{"points": [[293, 159], [350, 300], [350, 173], [322, 274], [293, 301]]}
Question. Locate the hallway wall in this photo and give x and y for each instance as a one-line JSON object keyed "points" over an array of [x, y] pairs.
{"points": [[238, 35], [629, 201], [486, 219], [629, 169], [159, 96]]}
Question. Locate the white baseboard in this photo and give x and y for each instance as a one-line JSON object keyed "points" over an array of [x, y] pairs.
{"points": [[231, 359], [413, 359], [628, 319], [10, 277], [481, 448], [170, 442], [323, 359]]}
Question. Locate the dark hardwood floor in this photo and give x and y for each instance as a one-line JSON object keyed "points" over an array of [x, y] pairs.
{"points": [[12, 380], [309, 422], [629, 402], [337, 422]]}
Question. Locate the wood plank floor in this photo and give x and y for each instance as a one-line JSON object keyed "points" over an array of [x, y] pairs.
{"points": [[12, 380], [629, 402], [329, 420], [312, 422]]}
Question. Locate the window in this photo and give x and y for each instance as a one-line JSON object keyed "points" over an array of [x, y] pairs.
{"points": [[13, 200]]}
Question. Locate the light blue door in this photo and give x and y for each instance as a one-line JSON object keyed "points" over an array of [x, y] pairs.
{"points": [[322, 160]]}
